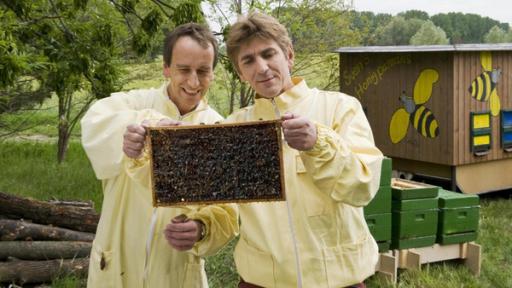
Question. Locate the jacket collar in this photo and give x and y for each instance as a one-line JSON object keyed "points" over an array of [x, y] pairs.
{"points": [[286, 100], [171, 106]]}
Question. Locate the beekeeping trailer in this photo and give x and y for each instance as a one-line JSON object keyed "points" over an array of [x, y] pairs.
{"points": [[442, 111]]}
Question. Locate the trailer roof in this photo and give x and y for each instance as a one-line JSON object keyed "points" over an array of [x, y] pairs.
{"points": [[426, 48]]}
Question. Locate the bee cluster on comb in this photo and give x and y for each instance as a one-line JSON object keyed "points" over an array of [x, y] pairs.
{"points": [[221, 163]]}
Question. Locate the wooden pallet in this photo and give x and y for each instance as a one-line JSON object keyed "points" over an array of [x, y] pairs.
{"points": [[388, 265], [390, 261]]}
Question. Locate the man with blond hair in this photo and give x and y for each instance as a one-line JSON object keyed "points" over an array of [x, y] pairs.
{"points": [[318, 237]]}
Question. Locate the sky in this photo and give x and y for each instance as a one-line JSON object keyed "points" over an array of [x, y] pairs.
{"points": [[500, 10]]}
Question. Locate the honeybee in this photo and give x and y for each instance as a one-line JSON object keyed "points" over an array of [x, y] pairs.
{"points": [[484, 85], [414, 112]]}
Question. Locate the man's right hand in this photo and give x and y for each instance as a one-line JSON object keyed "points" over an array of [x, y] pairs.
{"points": [[133, 140], [135, 135]]}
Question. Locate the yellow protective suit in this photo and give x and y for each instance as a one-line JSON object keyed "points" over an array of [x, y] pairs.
{"points": [[126, 251], [326, 188]]}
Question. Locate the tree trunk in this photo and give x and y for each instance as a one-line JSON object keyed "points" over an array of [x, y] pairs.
{"points": [[62, 146], [23, 272], [232, 98], [65, 101], [243, 89], [45, 213], [20, 230], [44, 250]]}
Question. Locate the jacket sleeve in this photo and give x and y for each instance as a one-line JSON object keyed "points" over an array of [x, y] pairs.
{"points": [[103, 127], [221, 224], [344, 162]]}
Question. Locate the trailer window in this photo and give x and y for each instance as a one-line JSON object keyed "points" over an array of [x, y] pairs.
{"points": [[481, 140], [506, 130]]}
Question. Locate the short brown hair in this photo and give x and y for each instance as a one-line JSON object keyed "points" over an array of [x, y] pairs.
{"points": [[256, 25], [200, 33]]}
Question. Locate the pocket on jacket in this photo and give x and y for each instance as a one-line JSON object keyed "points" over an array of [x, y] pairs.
{"points": [[253, 265], [350, 263], [193, 275], [100, 270]]}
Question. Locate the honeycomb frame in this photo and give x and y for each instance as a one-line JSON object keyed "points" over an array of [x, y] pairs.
{"points": [[219, 163]]}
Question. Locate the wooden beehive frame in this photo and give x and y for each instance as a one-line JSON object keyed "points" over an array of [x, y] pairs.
{"points": [[212, 161]]}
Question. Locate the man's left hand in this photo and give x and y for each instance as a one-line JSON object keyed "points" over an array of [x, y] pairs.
{"points": [[183, 233], [299, 132]]}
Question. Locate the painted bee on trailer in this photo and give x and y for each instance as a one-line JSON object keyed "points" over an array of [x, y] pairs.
{"points": [[483, 87], [413, 110]]}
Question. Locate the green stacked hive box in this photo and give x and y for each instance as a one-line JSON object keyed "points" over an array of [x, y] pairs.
{"points": [[378, 211], [458, 217], [380, 227], [414, 214]]}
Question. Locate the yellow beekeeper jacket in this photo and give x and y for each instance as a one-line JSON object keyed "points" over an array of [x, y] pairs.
{"points": [[326, 188], [129, 249]]}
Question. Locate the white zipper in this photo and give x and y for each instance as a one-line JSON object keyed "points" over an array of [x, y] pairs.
{"points": [[152, 229], [148, 244]]}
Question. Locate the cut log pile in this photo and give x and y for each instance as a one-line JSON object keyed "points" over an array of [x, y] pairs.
{"points": [[40, 240]]}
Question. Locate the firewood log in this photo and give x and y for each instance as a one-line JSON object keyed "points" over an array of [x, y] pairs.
{"points": [[22, 230], [44, 250], [84, 205], [24, 272], [45, 213]]}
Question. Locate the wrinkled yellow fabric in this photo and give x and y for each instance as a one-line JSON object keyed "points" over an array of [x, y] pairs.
{"points": [[326, 188], [124, 226]]}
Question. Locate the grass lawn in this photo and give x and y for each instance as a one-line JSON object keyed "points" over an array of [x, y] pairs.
{"points": [[30, 169]]}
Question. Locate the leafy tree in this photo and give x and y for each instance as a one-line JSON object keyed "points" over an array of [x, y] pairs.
{"points": [[78, 48], [465, 28], [414, 14], [145, 20], [429, 34], [318, 29], [496, 35], [79, 43], [398, 31], [364, 24], [16, 92]]}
